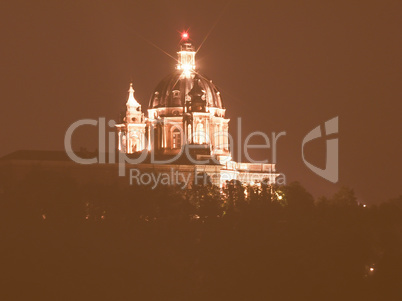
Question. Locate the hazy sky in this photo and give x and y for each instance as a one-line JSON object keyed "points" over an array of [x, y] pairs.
{"points": [[281, 66]]}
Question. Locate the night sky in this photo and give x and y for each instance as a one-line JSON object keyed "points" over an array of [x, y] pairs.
{"points": [[280, 66]]}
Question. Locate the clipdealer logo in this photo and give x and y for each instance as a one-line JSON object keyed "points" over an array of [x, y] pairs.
{"points": [[330, 172]]}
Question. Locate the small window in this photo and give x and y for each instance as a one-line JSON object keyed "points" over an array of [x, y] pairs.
{"points": [[176, 102]]}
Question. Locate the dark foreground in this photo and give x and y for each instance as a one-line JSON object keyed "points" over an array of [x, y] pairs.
{"points": [[63, 241]]}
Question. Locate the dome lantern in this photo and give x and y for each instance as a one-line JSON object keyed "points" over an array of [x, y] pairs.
{"points": [[186, 57], [171, 95]]}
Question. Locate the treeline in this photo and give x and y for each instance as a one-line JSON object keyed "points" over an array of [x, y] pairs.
{"points": [[63, 240]]}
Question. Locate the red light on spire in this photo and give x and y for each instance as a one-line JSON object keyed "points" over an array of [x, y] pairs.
{"points": [[184, 35]]}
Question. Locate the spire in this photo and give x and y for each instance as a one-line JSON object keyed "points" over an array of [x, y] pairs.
{"points": [[131, 102]]}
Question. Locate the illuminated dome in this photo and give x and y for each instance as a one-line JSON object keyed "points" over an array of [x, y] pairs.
{"points": [[173, 91]]}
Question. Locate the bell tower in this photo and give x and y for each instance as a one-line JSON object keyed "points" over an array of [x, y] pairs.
{"points": [[131, 132]]}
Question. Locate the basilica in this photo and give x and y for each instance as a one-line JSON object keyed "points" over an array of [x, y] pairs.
{"points": [[186, 118]]}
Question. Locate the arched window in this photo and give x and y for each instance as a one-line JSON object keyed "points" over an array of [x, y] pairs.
{"points": [[135, 141], [176, 138]]}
